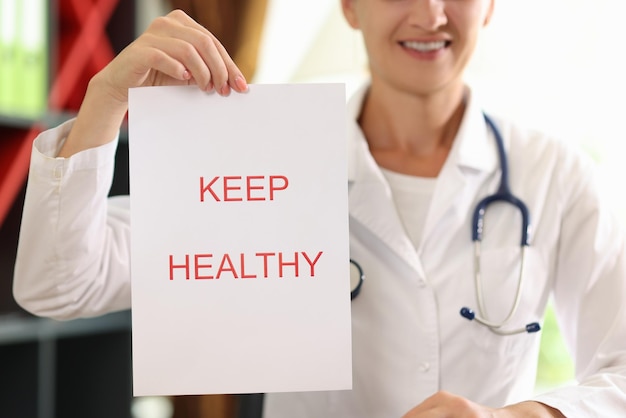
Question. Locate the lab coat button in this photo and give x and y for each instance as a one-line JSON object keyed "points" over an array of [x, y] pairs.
{"points": [[424, 367], [58, 172]]}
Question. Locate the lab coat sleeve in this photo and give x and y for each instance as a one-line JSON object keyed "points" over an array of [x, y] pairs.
{"points": [[73, 251], [590, 301]]}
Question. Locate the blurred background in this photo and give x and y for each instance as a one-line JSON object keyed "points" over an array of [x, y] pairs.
{"points": [[551, 64]]}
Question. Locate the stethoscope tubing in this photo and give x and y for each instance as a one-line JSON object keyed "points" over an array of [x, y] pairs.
{"points": [[361, 278], [503, 194]]}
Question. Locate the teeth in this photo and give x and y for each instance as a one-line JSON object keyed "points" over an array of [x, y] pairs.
{"points": [[424, 46]]}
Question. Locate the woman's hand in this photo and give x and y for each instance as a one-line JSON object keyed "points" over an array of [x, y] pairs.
{"points": [[174, 50], [447, 405]]}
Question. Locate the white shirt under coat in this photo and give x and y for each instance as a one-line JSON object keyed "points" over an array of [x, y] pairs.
{"points": [[409, 340]]}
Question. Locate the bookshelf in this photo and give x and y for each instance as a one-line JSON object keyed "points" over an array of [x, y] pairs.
{"points": [[50, 368], [83, 36], [79, 368]]}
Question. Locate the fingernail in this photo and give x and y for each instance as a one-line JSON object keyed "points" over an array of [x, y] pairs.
{"points": [[186, 75], [209, 87], [225, 90], [241, 83]]}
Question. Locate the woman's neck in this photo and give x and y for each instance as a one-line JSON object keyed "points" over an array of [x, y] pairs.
{"points": [[409, 133]]}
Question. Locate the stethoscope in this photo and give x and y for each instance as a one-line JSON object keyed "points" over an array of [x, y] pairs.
{"points": [[503, 194]]}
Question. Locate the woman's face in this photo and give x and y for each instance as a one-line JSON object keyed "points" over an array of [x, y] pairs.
{"points": [[418, 46]]}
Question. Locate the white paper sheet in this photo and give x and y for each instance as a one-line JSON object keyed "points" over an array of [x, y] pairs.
{"points": [[240, 258]]}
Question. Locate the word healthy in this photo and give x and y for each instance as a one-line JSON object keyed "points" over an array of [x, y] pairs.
{"points": [[264, 265]]}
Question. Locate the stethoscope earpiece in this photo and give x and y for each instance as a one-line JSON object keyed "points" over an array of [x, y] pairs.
{"points": [[533, 327], [469, 314]]}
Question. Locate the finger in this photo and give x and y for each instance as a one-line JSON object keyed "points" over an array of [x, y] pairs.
{"points": [[216, 67], [191, 47], [184, 19], [183, 5], [446, 405], [428, 405], [225, 72], [172, 57], [236, 79], [206, 46], [204, 41]]}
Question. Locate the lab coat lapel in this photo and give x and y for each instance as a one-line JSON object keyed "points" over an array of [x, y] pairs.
{"points": [[473, 157], [370, 200], [371, 205], [447, 202]]}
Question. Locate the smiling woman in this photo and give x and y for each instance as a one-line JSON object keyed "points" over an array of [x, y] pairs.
{"points": [[552, 64], [415, 121], [549, 64]]}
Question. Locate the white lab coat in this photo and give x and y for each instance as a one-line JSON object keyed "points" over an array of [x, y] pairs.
{"points": [[408, 337]]}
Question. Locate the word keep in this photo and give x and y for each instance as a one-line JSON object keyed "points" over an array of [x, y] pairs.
{"points": [[240, 188]]}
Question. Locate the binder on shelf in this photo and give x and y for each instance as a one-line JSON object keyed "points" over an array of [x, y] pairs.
{"points": [[8, 56], [32, 82]]}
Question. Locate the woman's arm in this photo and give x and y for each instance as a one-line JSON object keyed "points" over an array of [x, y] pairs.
{"points": [[73, 253], [174, 50]]}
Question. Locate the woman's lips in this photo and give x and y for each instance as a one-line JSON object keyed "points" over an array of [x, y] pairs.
{"points": [[425, 49]]}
